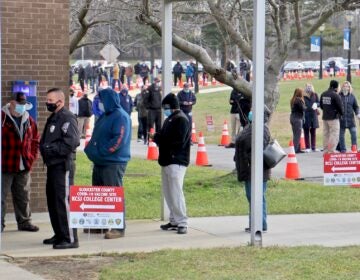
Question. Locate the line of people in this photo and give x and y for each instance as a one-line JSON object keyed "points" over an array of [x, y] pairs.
{"points": [[339, 107]]}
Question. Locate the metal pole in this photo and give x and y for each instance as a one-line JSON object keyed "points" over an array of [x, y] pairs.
{"points": [[166, 41], [0, 131], [258, 124], [348, 76], [321, 58]]}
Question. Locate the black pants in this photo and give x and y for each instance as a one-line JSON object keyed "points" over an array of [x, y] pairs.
{"points": [[176, 78], [142, 129], [154, 117], [58, 184]]}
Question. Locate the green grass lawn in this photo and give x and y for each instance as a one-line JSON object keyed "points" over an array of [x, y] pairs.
{"points": [[212, 192]]}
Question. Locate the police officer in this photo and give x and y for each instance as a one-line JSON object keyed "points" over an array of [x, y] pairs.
{"points": [[58, 146]]}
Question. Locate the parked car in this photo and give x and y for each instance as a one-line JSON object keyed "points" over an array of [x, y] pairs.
{"points": [[311, 65], [293, 66], [84, 63]]}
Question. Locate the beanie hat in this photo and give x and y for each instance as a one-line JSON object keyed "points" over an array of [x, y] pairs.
{"points": [[20, 97], [170, 101], [334, 84]]}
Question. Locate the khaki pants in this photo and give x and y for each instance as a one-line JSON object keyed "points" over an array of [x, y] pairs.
{"points": [[331, 135], [235, 126]]}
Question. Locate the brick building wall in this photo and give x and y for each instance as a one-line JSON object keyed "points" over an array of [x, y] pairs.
{"points": [[35, 46]]}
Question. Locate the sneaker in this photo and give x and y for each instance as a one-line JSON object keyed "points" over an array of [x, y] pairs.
{"points": [[307, 150], [231, 145], [115, 233], [28, 227], [316, 150], [169, 226], [182, 230]]}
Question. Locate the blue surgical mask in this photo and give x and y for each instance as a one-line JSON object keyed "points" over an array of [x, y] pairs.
{"points": [[250, 116], [167, 112], [101, 107], [20, 109]]}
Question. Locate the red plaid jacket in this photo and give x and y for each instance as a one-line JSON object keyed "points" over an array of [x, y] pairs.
{"points": [[13, 146]]}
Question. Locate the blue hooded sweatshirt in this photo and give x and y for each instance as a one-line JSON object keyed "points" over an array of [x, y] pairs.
{"points": [[110, 142]]}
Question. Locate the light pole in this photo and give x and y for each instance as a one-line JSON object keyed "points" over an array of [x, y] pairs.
{"points": [[197, 34], [349, 17], [321, 29]]}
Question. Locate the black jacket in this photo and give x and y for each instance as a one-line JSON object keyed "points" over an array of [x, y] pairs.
{"points": [[174, 140], [311, 115], [350, 107], [240, 105], [153, 97], [331, 104], [85, 107], [183, 96], [298, 109], [243, 154], [60, 138]]}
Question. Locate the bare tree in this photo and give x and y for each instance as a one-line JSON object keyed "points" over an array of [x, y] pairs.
{"points": [[288, 23]]}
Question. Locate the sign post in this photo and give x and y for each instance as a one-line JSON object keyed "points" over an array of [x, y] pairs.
{"points": [[97, 207], [342, 169]]}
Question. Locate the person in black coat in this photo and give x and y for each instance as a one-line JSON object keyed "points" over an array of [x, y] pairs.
{"points": [[177, 70], [243, 163], [174, 156], [311, 121], [297, 105], [347, 120]]}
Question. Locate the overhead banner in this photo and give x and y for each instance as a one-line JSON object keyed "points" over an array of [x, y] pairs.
{"points": [[346, 39], [315, 43], [96, 207]]}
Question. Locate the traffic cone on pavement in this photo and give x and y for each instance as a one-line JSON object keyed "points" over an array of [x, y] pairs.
{"points": [[153, 152], [292, 167], [302, 141], [87, 135], [201, 156], [225, 137], [353, 149], [193, 133]]}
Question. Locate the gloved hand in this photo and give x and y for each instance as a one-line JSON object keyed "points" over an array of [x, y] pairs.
{"points": [[314, 106]]}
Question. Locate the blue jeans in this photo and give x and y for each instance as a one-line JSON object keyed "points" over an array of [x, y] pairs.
{"points": [[342, 137], [248, 196]]}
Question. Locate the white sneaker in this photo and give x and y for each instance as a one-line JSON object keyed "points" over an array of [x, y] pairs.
{"points": [[307, 150], [316, 150]]}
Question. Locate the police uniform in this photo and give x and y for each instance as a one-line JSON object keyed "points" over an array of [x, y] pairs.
{"points": [[58, 149]]}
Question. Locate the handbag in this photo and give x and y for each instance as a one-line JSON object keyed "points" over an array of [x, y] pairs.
{"points": [[273, 154]]}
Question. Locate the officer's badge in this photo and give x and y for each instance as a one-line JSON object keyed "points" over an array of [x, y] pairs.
{"points": [[65, 127], [52, 128]]}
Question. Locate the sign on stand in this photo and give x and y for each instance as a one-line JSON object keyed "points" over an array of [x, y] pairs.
{"points": [[341, 169], [109, 52], [210, 123], [96, 207]]}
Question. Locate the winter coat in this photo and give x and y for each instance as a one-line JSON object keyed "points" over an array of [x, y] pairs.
{"points": [[240, 105], [298, 109], [188, 97], [311, 115], [331, 104], [140, 105], [350, 104], [174, 140], [153, 97], [60, 138], [18, 144], [85, 107], [243, 154], [126, 101], [110, 141], [189, 71], [178, 69]]}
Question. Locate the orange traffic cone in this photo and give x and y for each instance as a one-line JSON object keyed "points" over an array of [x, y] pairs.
{"points": [[292, 167], [302, 141], [225, 138], [201, 156], [181, 84], [87, 135], [213, 82], [353, 149], [152, 153], [193, 133]]}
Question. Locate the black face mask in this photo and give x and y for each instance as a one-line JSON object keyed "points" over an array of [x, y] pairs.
{"points": [[51, 106], [71, 95]]}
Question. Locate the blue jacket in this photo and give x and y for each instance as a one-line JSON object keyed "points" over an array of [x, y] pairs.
{"points": [[189, 71], [95, 106], [126, 101], [110, 142]]}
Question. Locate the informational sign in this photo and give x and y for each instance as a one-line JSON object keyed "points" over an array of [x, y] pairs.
{"points": [[210, 123], [341, 169], [346, 39], [315, 43], [109, 52], [96, 207]]}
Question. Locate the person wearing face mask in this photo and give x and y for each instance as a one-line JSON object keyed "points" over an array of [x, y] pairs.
{"points": [[347, 120], [20, 147], [58, 150], [186, 100], [332, 107], [174, 155], [109, 148], [152, 102], [73, 103], [97, 107]]}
